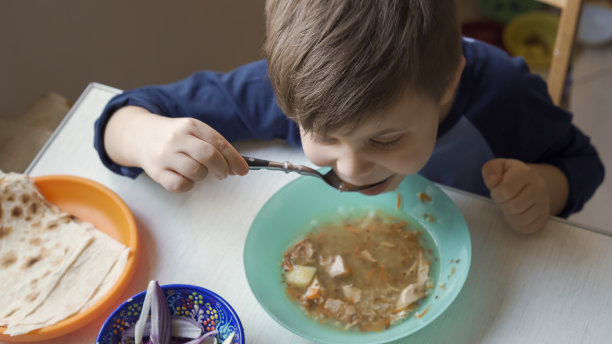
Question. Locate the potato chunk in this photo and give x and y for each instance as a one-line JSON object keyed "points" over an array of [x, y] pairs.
{"points": [[300, 275]]}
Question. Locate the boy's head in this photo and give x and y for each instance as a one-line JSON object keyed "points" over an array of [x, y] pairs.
{"points": [[339, 65], [333, 62]]}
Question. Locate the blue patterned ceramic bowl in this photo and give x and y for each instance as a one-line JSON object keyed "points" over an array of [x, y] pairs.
{"points": [[200, 304]]}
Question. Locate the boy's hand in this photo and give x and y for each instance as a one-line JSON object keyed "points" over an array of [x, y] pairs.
{"points": [[520, 192], [175, 152]]}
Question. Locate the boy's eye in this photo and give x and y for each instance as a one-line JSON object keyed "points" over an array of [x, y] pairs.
{"points": [[386, 144]]}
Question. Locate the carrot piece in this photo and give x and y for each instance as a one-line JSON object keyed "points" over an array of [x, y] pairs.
{"points": [[370, 273], [312, 294], [418, 316], [424, 197], [385, 276], [351, 229], [428, 217], [399, 200], [399, 225]]}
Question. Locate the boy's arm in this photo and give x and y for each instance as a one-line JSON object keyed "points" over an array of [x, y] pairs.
{"points": [[513, 111], [176, 153], [238, 105]]}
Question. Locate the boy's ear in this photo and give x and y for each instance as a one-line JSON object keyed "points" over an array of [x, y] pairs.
{"points": [[449, 93]]}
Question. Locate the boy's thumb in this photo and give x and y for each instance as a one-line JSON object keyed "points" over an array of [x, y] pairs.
{"points": [[492, 172]]}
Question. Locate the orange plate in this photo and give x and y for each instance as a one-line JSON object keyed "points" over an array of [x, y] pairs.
{"points": [[94, 203]]}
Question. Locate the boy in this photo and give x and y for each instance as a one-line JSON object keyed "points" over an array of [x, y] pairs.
{"points": [[377, 90]]}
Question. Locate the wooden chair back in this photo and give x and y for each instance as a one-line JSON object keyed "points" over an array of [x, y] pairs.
{"points": [[564, 43]]}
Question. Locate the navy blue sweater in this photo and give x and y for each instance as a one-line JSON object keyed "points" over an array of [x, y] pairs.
{"points": [[501, 111]]}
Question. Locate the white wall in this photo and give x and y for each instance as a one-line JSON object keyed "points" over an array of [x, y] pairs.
{"points": [[62, 45]]}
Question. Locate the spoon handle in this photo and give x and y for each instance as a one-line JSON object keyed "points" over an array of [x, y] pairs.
{"points": [[260, 164]]}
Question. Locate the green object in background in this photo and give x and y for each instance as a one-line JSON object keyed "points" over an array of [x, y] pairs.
{"points": [[286, 217], [504, 10]]}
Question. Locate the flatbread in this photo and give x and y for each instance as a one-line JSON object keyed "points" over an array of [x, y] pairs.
{"points": [[37, 246], [56, 264], [69, 296]]}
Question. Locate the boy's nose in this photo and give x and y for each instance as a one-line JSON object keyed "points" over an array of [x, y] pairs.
{"points": [[353, 166]]}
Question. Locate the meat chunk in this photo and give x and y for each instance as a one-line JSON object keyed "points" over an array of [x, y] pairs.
{"points": [[300, 253], [351, 293], [340, 310], [338, 267], [367, 256], [408, 296], [313, 294], [415, 291]]}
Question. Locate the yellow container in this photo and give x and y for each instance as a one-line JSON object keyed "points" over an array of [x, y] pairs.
{"points": [[532, 36]]}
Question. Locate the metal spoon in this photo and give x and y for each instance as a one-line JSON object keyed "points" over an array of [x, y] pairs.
{"points": [[331, 178]]}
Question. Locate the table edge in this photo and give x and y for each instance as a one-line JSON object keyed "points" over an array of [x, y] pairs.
{"points": [[552, 217], [91, 86]]}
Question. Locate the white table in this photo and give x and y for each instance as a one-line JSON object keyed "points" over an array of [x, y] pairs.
{"points": [[552, 287]]}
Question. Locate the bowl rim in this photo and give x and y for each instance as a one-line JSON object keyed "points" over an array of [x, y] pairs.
{"points": [[96, 310], [177, 286]]}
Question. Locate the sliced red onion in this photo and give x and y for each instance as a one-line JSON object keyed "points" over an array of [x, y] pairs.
{"points": [[206, 336], [144, 313], [161, 327], [229, 338], [182, 327]]}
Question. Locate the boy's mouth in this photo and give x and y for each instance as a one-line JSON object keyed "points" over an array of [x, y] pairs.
{"points": [[379, 188]]}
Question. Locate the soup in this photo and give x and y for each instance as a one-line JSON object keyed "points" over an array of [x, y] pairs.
{"points": [[366, 273]]}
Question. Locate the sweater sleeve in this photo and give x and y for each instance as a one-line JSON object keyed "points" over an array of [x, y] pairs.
{"points": [[560, 143], [240, 105], [519, 120]]}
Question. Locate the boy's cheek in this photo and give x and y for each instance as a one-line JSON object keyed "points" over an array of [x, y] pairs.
{"points": [[408, 162], [316, 153]]}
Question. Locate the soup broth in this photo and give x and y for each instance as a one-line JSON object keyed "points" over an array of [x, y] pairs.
{"points": [[367, 272]]}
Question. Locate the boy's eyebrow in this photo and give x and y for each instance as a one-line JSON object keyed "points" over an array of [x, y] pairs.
{"points": [[394, 130], [318, 136], [390, 131]]}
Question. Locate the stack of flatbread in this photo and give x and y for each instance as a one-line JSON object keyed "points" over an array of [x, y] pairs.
{"points": [[52, 265]]}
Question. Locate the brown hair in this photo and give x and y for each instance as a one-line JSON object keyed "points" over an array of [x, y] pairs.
{"points": [[333, 61]]}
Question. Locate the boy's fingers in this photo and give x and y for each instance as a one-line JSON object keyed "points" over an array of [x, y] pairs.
{"points": [[523, 200], [529, 222], [512, 185], [493, 172], [505, 179], [173, 181], [234, 160], [188, 167], [237, 164], [206, 155]]}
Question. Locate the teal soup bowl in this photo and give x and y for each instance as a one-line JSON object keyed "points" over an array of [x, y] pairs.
{"points": [[289, 215]]}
